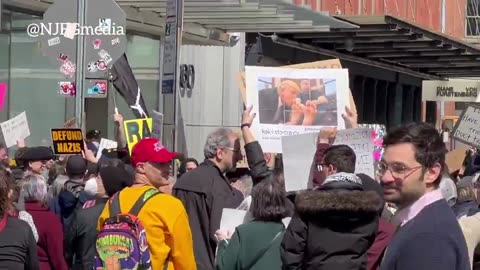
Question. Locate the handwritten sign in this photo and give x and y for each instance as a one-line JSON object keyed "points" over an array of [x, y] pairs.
{"points": [[67, 141], [360, 140], [137, 129], [157, 125], [106, 144], [467, 129], [15, 129]]}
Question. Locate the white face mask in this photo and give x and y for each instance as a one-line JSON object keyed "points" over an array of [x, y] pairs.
{"points": [[91, 187]]}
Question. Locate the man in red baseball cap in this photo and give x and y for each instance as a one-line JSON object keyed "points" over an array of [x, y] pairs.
{"points": [[163, 216]]}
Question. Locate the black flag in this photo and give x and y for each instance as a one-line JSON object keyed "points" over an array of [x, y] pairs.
{"points": [[126, 84]]}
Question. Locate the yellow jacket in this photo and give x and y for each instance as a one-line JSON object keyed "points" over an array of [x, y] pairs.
{"points": [[166, 224]]}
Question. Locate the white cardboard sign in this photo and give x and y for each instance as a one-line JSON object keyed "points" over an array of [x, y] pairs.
{"points": [[467, 129], [105, 144], [15, 129], [360, 140]]}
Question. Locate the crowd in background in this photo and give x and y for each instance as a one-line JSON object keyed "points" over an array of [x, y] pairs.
{"points": [[412, 214]]}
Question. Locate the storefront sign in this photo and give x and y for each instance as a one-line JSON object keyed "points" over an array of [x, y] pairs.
{"points": [[453, 90], [137, 129], [67, 141]]}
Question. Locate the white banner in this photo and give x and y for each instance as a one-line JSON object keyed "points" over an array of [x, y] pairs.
{"points": [[452, 90], [467, 129]]}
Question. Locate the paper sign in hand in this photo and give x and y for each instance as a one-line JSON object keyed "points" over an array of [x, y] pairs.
{"points": [[3, 93]]}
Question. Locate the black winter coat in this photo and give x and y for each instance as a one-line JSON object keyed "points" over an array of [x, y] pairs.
{"points": [[331, 230], [80, 239], [205, 192]]}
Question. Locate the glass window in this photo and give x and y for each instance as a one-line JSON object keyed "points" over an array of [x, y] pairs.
{"points": [[143, 52], [33, 85]]}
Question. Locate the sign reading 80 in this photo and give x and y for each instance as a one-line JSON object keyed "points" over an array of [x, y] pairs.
{"points": [[187, 77]]}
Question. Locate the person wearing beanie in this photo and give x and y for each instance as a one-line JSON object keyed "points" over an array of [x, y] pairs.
{"points": [[339, 212], [73, 196], [110, 178]]}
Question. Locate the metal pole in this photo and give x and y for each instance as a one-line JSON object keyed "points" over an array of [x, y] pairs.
{"points": [[80, 72], [177, 81], [442, 23]]}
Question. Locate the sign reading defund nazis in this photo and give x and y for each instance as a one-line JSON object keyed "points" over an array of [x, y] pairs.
{"points": [[67, 141]]}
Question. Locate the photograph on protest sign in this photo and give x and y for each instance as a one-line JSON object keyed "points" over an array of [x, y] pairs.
{"points": [[295, 101], [15, 129], [137, 129], [67, 141], [467, 128]]}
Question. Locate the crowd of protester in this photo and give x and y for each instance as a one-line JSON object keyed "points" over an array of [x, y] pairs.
{"points": [[412, 214]]}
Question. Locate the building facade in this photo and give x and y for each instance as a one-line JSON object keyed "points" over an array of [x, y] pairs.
{"points": [[33, 87]]}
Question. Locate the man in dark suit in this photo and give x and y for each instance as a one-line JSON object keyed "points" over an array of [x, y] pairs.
{"points": [[273, 102]]}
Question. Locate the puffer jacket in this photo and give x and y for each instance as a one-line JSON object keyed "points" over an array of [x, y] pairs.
{"points": [[333, 228]]}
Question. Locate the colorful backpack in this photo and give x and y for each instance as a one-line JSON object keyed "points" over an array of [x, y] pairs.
{"points": [[122, 241]]}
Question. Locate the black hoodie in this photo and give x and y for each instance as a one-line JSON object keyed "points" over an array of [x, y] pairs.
{"points": [[333, 228]]}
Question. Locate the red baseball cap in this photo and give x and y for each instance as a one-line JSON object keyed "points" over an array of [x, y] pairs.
{"points": [[151, 150]]}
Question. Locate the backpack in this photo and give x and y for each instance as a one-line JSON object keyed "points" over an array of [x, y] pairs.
{"points": [[122, 241]]}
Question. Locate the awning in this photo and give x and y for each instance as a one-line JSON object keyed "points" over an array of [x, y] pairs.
{"points": [[209, 22], [391, 43]]}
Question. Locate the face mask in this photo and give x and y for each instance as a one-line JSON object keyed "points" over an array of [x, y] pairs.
{"points": [[91, 187]]}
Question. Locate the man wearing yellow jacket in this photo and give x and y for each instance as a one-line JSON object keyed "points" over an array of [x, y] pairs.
{"points": [[163, 216]]}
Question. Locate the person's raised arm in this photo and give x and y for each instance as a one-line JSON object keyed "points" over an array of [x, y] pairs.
{"points": [[351, 118], [120, 132], [256, 162]]}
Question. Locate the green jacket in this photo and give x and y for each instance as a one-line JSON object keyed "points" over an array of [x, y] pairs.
{"points": [[249, 240]]}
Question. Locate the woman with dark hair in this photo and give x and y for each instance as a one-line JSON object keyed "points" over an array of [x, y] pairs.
{"points": [[256, 244], [18, 249]]}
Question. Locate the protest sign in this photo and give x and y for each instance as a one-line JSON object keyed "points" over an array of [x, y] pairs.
{"points": [[106, 144], [467, 128], [67, 141], [360, 140], [137, 129], [294, 101], [232, 218], [15, 129], [157, 125], [325, 64], [454, 159], [298, 160]]}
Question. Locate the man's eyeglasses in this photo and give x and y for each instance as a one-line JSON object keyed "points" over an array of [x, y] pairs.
{"points": [[320, 167], [398, 170], [233, 149]]}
